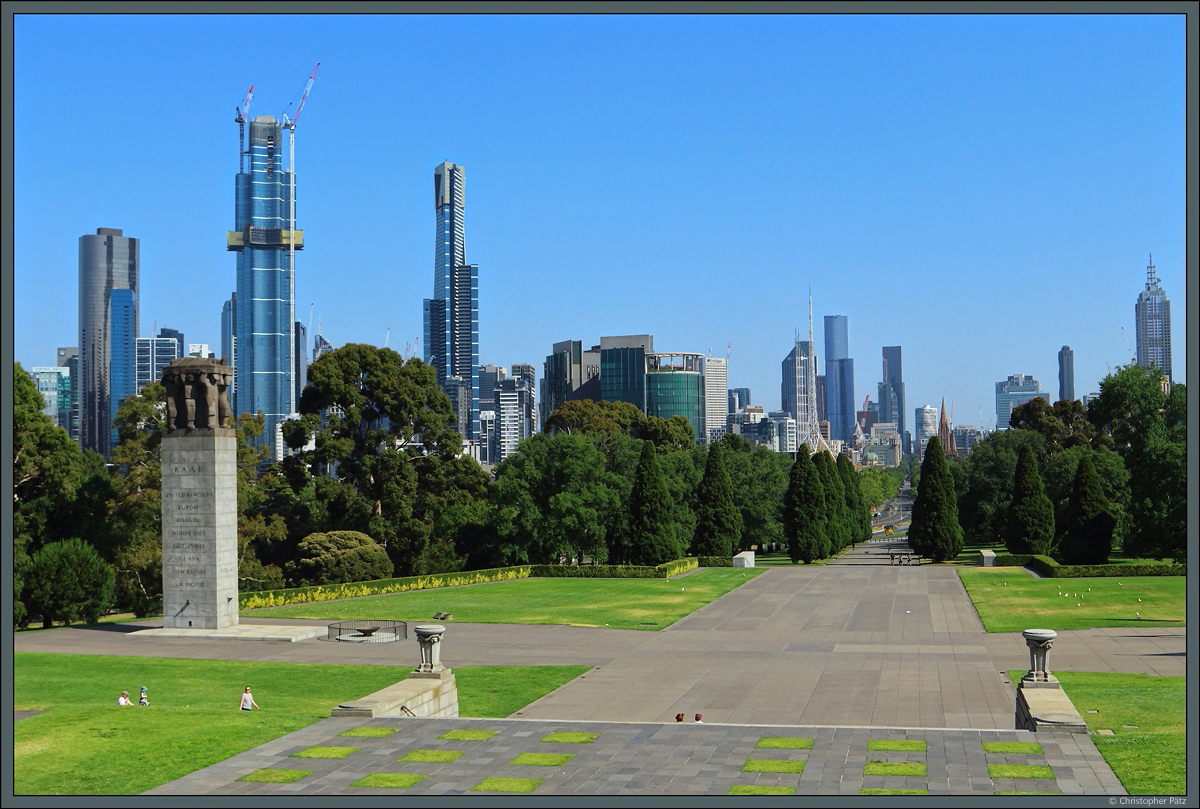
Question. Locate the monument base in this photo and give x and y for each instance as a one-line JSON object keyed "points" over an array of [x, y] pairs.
{"points": [[413, 697], [1047, 710]]}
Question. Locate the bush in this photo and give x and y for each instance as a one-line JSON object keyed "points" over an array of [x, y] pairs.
{"points": [[339, 557], [68, 581], [677, 566], [593, 572], [329, 592], [716, 561], [1051, 569]]}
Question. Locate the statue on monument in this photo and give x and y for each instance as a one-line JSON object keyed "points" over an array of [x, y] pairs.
{"points": [[196, 399]]}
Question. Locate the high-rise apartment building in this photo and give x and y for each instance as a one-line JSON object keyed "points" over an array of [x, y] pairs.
{"points": [[839, 379], [54, 383], [1066, 374], [152, 355], [514, 404], [1152, 316], [716, 396], [264, 239], [529, 417], [451, 316], [1013, 392], [891, 393], [926, 427], [108, 263]]}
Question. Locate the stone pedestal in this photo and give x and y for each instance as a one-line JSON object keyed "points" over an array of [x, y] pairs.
{"points": [[429, 636], [1039, 642], [199, 526], [744, 559]]}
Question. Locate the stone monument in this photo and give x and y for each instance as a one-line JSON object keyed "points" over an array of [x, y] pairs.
{"points": [[199, 497]]}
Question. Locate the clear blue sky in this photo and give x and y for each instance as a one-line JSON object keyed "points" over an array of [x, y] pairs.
{"points": [[980, 190]]}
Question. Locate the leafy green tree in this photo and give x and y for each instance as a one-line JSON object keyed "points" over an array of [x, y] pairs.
{"points": [[338, 557], [759, 478], [859, 522], [1059, 473], [935, 531], [594, 418], [804, 511], [683, 469], [990, 468], [667, 435], [878, 486], [1064, 424], [650, 513], [836, 519], [718, 521], [67, 581], [1030, 523], [1090, 522]]}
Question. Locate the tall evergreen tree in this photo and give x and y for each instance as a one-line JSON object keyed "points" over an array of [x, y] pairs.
{"points": [[1030, 522], [652, 527], [935, 531], [836, 518], [860, 517], [718, 519], [804, 511], [1090, 522]]}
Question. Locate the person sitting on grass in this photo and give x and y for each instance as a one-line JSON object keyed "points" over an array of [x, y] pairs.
{"points": [[143, 699], [124, 699]]}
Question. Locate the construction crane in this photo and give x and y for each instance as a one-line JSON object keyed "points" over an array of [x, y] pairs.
{"points": [[243, 112], [290, 125], [1129, 348]]}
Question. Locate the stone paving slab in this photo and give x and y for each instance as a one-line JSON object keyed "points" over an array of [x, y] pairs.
{"points": [[643, 759]]}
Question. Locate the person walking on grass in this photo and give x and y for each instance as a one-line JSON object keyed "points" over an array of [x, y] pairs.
{"points": [[248, 702]]}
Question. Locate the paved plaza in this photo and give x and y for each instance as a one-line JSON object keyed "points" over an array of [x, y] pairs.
{"points": [[843, 653]]}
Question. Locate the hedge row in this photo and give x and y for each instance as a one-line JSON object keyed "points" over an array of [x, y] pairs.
{"points": [[716, 561], [329, 592], [674, 568], [1051, 569], [1012, 559], [594, 572]]}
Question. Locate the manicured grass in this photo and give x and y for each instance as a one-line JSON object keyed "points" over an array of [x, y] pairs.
{"points": [[785, 743], [468, 735], [772, 765], [274, 775], [369, 732], [894, 768], [541, 759], [326, 752], [508, 785], [495, 692], [756, 789], [880, 791], [901, 745], [389, 780], [616, 603], [1021, 792], [432, 756], [1012, 747], [1009, 599], [1150, 759], [193, 721], [1020, 771], [571, 737]]}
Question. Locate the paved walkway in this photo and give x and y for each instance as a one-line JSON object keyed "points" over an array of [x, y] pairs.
{"points": [[795, 651]]}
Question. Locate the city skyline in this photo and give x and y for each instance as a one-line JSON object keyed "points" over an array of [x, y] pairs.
{"points": [[963, 186]]}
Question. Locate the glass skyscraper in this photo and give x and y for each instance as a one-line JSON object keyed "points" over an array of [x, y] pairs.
{"points": [[108, 263], [839, 379], [1152, 316], [891, 393], [1066, 374], [264, 238], [451, 316]]}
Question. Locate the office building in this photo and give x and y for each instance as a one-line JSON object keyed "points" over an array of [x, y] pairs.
{"points": [[201, 350], [623, 368], [451, 316], [122, 346], [108, 263], [1152, 316], [54, 383], [529, 417], [674, 386], [716, 397], [513, 406], [965, 438], [265, 240], [796, 393], [300, 357], [566, 370], [839, 379], [1013, 392], [152, 355], [229, 342], [891, 394], [1066, 374], [739, 398], [926, 426], [68, 357]]}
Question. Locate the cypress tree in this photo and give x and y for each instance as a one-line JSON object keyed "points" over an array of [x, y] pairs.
{"points": [[1090, 522], [836, 528], [651, 525], [1029, 525], [859, 521], [803, 510], [718, 519], [935, 531]]}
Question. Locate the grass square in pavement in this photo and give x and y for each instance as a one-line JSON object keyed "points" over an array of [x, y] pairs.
{"points": [[508, 785], [894, 768], [541, 759], [897, 745], [882, 791], [760, 789], [1041, 771], [326, 752], [275, 775], [772, 765], [369, 732], [1024, 792], [435, 756], [467, 735], [1012, 747], [784, 743], [389, 780], [571, 737]]}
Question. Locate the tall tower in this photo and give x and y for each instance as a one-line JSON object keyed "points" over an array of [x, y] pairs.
{"points": [[264, 240], [839, 379], [945, 434], [451, 316], [1066, 374], [716, 396], [108, 263], [891, 393], [798, 392], [1152, 314]]}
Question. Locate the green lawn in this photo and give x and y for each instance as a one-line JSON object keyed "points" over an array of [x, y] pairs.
{"points": [[1150, 759], [85, 745], [616, 603], [1009, 599]]}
